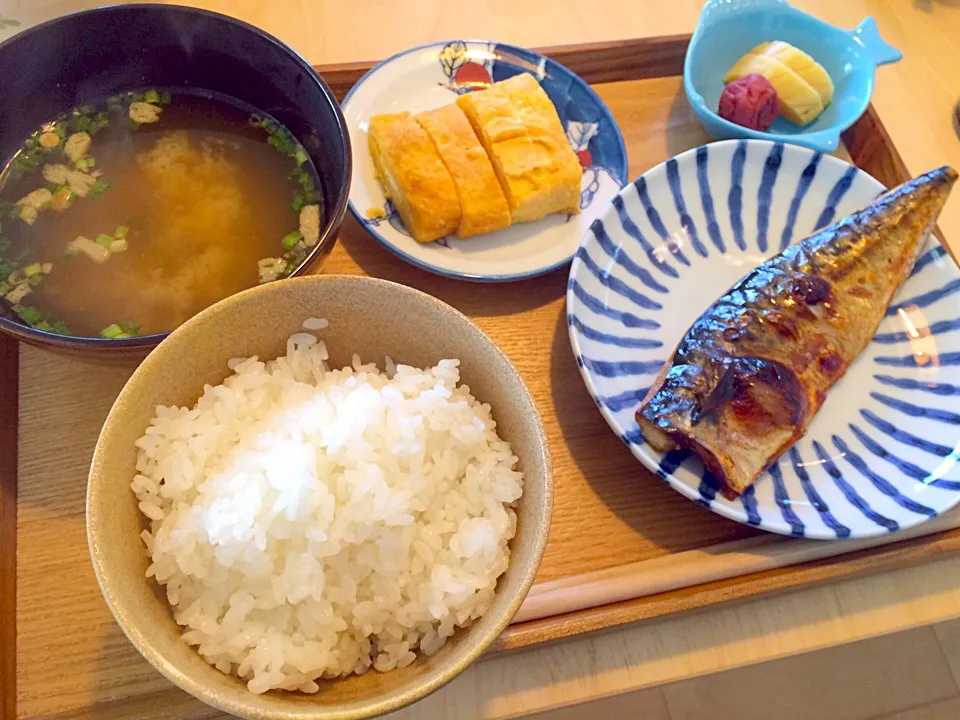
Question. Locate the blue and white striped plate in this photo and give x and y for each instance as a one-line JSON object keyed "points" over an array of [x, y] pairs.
{"points": [[881, 455], [429, 76]]}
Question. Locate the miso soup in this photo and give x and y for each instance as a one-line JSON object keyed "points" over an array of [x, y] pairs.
{"points": [[128, 218]]}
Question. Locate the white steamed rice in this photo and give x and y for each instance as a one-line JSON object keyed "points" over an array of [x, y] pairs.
{"points": [[310, 523]]}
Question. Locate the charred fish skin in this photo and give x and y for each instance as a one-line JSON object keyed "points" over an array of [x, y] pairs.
{"points": [[750, 374]]}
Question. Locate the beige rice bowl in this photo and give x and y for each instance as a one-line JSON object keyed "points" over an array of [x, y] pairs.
{"points": [[309, 523]]}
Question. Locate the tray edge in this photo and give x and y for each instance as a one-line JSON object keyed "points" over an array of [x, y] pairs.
{"points": [[9, 430]]}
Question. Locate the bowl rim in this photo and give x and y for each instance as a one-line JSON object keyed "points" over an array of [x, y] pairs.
{"points": [[328, 235], [356, 709]]}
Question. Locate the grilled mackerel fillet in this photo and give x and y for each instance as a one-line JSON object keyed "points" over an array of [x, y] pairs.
{"points": [[748, 377]]}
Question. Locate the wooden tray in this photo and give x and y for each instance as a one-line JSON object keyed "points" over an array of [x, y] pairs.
{"points": [[623, 546]]}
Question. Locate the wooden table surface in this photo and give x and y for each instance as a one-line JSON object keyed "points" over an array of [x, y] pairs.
{"points": [[916, 100]]}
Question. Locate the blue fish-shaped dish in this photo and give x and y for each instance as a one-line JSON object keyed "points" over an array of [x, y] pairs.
{"points": [[728, 29]]}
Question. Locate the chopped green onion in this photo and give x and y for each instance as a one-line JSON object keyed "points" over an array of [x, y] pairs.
{"points": [[25, 163], [99, 124], [300, 156], [34, 269], [294, 256], [60, 130], [165, 97], [133, 124], [82, 123], [98, 189], [5, 287], [41, 319], [105, 240], [71, 251], [291, 239], [283, 142], [117, 246], [30, 315], [151, 96], [120, 330], [298, 202], [34, 280], [85, 163], [121, 232]]}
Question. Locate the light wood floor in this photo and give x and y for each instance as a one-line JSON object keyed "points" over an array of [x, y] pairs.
{"points": [[913, 675]]}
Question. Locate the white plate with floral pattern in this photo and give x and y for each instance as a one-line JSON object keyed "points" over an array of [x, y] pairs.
{"points": [[429, 76]]}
